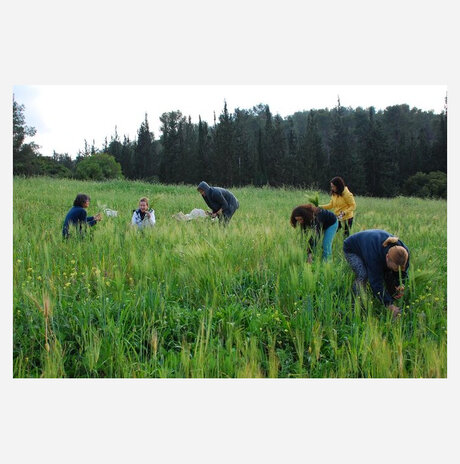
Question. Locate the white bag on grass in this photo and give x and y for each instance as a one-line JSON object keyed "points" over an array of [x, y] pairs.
{"points": [[194, 214]]}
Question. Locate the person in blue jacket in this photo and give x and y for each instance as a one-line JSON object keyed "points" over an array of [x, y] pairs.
{"points": [[221, 201], [78, 217], [382, 259], [323, 223]]}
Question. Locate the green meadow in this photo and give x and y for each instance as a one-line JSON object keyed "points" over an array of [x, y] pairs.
{"points": [[194, 299]]}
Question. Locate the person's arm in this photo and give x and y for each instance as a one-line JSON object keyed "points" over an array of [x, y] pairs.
{"points": [[376, 278], [350, 202], [220, 199], [92, 220], [313, 240], [134, 219], [328, 206], [400, 285], [83, 218]]}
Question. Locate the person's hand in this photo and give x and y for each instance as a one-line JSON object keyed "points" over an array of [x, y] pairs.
{"points": [[340, 216], [395, 310], [98, 217], [208, 213], [147, 213], [400, 290]]}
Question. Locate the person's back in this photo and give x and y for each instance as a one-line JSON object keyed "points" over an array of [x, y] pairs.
{"points": [[367, 244], [76, 217], [217, 192]]}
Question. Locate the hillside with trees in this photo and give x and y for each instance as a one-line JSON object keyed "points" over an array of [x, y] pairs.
{"points": [[398, 150]]}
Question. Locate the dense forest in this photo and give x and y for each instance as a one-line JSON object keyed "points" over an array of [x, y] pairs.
{"points": [[399, 150]]}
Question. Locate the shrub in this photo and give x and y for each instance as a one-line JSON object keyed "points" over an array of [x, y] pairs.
{"points": [[99, 166], [433, 184]]}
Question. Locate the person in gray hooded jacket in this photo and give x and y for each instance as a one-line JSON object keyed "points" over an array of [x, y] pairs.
{"points": [[221, 201]]}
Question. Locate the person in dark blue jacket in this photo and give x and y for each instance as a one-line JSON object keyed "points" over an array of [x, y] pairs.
{"points": [[77, 216], [383, 260], [323, 223], [221, 201]]}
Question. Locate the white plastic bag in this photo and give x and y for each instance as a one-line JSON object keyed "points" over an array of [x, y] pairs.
{"points": [[194, 214], [110, 212]]}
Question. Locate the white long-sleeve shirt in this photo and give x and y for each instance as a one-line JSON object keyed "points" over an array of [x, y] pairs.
{"points": [[146, 222]]}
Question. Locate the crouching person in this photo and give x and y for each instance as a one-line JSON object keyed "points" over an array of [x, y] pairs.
{"points": [[383, 260], [77, 218], [221, 201], [143, 216]]}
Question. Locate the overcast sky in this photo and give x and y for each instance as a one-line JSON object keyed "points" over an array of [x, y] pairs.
{"points": [[65, 115]]}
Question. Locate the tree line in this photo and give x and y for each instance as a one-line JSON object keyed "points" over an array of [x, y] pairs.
{"points": [[399, 150]]}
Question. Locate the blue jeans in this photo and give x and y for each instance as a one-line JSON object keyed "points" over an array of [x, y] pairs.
{"points": [[327, 240]]}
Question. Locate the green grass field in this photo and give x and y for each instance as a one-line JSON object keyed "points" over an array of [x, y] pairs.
{"points": [[198, 300]]}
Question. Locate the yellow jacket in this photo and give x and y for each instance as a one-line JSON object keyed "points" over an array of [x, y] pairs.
{"points": [[344, 203]]}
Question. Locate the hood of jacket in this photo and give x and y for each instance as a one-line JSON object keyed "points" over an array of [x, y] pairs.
{"points": [[204, 186]]}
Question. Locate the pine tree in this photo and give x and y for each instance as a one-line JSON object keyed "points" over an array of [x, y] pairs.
{"points": [[340, 155], [224, 148], [170, 165], [379, 167], [291, 168], [439, 148], [244, 160], [312, 157], [127, 158], [144, 154], [202, 168]]}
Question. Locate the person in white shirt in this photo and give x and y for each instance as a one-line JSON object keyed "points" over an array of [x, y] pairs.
{"points": [[143, 216]]}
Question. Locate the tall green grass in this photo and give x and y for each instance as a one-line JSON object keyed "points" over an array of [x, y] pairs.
{"points": [[198, 300]]}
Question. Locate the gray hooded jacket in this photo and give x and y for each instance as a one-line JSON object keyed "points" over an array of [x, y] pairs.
{"points": [[217, 198]]}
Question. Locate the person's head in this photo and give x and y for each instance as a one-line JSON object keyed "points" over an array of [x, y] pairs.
{"points": [[397, 256], [203, 188], [337, 186], [144, 204], [303, 215], [82, 200]]}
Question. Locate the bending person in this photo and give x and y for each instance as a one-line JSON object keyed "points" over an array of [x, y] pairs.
{"points": [[383, 260], [342, 203], [78, 217], [221, 201], [322, 222]]}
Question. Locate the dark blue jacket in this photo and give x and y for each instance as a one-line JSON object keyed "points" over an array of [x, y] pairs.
{"points": [[217, 198], [77, 216], [367, 244]]}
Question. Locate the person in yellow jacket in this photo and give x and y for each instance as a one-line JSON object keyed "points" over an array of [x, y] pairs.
{"points": [[342, 203]]}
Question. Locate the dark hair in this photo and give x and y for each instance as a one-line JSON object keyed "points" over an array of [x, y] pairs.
{"points": [[340, 185], [307, 212], [81, 199]]}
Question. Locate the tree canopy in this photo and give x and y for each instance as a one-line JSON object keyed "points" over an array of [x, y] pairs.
{"points": [[376, 152]]}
